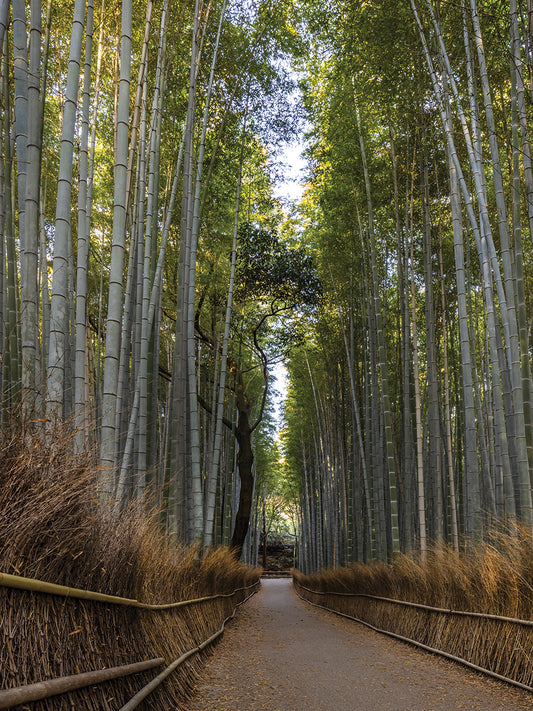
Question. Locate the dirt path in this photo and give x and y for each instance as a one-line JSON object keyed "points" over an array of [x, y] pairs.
{"points": [[284, 655]]}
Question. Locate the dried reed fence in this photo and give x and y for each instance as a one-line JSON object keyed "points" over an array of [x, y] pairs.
{"points": [[481, 603], [53, 529]]}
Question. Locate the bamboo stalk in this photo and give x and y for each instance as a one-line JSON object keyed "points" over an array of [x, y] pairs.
{"points": [[53, 687], [20, 583]]}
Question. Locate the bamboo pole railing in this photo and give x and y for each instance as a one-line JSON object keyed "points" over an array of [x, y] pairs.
{"points": [[55, 687], [19, 582], [406, 603]]}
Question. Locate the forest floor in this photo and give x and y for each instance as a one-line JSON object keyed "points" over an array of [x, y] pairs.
{"points": [[280, 653]]}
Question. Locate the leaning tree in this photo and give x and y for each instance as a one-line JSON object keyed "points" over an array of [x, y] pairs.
{"points": [[276, 284]]}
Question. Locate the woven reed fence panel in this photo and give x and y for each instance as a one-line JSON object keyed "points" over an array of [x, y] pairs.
{"points": [[503, 647], [90, 635]]}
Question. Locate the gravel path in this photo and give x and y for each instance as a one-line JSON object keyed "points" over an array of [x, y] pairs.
{"points": [[284, 655]]}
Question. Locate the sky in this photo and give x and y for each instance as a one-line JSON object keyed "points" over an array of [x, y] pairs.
{"points": [[291, 189]]}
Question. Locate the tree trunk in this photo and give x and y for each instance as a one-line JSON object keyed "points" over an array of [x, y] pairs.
{"points": [[114, 310], [421, 499], [30, 301], [20, 69], [59, 309], [392, 532], [245, 459], [80, 400]]}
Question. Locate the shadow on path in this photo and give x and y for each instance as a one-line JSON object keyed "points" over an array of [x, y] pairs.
{"points": [[284, 655]]}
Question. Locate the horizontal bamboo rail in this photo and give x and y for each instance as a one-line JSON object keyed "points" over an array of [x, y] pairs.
{"points": [[18, 582], [134, 702], [409, 640], [64, 684], [445, 610]]}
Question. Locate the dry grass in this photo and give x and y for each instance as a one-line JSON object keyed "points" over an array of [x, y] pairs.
{"points": [[496, 579], [52, 529]]}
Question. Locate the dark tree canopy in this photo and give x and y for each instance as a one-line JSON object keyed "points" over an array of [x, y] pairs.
{"points": [[280, 276]]}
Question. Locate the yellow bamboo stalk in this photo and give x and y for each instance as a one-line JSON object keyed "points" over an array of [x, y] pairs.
{"points": [[21, 583]]}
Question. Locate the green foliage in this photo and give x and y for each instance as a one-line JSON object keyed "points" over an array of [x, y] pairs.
{"points": [[269, 271], [363, 81], [280, 287]]}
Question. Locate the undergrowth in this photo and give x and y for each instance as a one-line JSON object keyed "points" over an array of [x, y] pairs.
{"points": [[53, 528]]}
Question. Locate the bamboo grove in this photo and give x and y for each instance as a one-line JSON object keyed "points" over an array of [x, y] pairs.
{"points": [[150, 280], [409, 417], [135, 161]]}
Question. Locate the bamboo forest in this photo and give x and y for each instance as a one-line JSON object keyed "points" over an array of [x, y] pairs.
{"points": [[156, 284]]}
